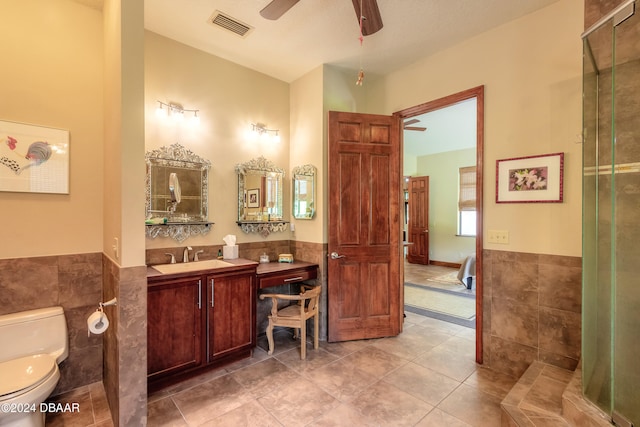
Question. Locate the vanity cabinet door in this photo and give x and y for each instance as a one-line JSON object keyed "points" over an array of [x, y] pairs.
{"points": [[174, 325], [231, 304]]}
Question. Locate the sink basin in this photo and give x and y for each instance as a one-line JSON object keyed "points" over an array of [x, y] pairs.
{"points": [[191, 266]]}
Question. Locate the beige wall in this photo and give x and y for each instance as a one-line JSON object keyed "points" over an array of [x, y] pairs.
{"points": [[531, 69], [307, 147], [43, 42], [230, 97], [123, 241], [442, 169]]}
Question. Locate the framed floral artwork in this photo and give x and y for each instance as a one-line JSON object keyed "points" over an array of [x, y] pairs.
{"points": [[33, 159], [532, 179]]}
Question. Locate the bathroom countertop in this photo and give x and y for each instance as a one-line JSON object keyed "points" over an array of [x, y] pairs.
{"points": [[238, 262]]}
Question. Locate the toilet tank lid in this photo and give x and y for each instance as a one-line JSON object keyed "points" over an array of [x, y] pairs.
{"points": [[25, 372], [30, 315]]}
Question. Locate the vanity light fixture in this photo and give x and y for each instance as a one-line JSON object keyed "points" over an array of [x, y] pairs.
{"points": [[176, 112], [260, 130]]}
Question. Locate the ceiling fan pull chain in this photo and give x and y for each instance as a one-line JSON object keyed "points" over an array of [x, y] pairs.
{"points": [[361, 38]]}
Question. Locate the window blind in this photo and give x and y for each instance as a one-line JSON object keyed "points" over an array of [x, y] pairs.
{"points": [[467, 194]]}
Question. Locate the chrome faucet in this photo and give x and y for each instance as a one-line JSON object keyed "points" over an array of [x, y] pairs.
{"points": [[185, 254]]}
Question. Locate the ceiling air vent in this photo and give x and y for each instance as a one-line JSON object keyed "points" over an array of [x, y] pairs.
{"points": [[228, 23]]}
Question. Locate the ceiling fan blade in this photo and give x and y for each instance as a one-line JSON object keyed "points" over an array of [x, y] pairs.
{"points": [[277, 8], [411, 122], [372, 21], [421, 129]]}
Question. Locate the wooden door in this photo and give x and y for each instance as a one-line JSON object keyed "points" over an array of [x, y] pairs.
{"points": [[231, 302], [364, 298], [418, 252], [174, 319]]}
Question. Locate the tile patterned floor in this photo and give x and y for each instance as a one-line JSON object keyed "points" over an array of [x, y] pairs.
{"points": [[93, 409], [426, 376]]}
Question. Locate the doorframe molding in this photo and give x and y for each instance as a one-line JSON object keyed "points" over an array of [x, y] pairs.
{"points": [[477, 93]]}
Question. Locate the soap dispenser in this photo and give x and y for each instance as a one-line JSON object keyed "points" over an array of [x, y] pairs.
{"points": [[264, 258]]}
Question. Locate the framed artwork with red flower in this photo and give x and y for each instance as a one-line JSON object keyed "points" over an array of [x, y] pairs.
{"points": [[532, 179], [33, 159]]}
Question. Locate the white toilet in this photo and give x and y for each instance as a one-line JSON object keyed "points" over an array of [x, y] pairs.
{"points": [[33, 343]]}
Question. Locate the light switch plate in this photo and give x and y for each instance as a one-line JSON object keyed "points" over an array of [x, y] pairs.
{"points": [[500, 237]]}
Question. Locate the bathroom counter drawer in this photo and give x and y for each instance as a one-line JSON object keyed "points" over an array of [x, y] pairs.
{"points": [[275, 274]]}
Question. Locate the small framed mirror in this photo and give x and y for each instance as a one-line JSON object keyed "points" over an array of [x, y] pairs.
{"points": [[177, 185], [304, 190]]}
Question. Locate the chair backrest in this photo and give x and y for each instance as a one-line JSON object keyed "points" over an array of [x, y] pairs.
{"points": [[311, 293]]}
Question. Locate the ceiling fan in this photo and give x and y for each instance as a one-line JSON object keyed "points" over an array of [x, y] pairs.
{"points": [[371, 22], [408, 123]]}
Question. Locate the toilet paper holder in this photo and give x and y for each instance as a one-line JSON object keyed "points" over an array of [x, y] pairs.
{"points": [[113, 301], [98, 321]]}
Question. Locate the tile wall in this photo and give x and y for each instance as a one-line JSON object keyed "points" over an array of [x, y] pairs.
{"points": [[125, 343], [71, 281], [532, 310]]}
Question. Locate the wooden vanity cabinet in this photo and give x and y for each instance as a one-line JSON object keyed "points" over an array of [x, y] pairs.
{"points": [[232, 312], [199, 321], [174, 325]]}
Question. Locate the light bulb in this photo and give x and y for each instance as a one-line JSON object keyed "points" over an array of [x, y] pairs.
{"points": [[160, 111], [251, 134], [195, 120], [177, 115]]}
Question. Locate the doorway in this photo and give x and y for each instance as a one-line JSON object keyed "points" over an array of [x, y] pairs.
{"points": [[418, 226], [409, 117]]}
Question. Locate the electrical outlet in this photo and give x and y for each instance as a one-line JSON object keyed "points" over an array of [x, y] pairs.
{"points": [[116, 248]]}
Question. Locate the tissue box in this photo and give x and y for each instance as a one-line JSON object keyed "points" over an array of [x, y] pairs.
{"points": [[230, 252]]}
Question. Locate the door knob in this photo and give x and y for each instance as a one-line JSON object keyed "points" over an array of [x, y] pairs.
{"points": [[425, 231], [334, 255]]}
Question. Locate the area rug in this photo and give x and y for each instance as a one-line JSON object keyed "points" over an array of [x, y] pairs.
{"points": [[447, 282], [447, 278], [441, 304]]}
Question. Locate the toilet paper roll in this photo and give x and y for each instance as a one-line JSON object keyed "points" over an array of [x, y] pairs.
{"points": [[97, 323]]}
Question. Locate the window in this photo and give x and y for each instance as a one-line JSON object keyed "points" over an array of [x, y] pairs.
{"points": [[467, 223], [467, 202]]}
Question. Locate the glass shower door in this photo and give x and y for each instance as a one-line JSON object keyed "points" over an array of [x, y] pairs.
{"points": [[611, 216]]}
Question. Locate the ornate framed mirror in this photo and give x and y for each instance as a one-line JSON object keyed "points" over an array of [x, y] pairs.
{"points": [[177, 192], [304, 190], [260, 197]]}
